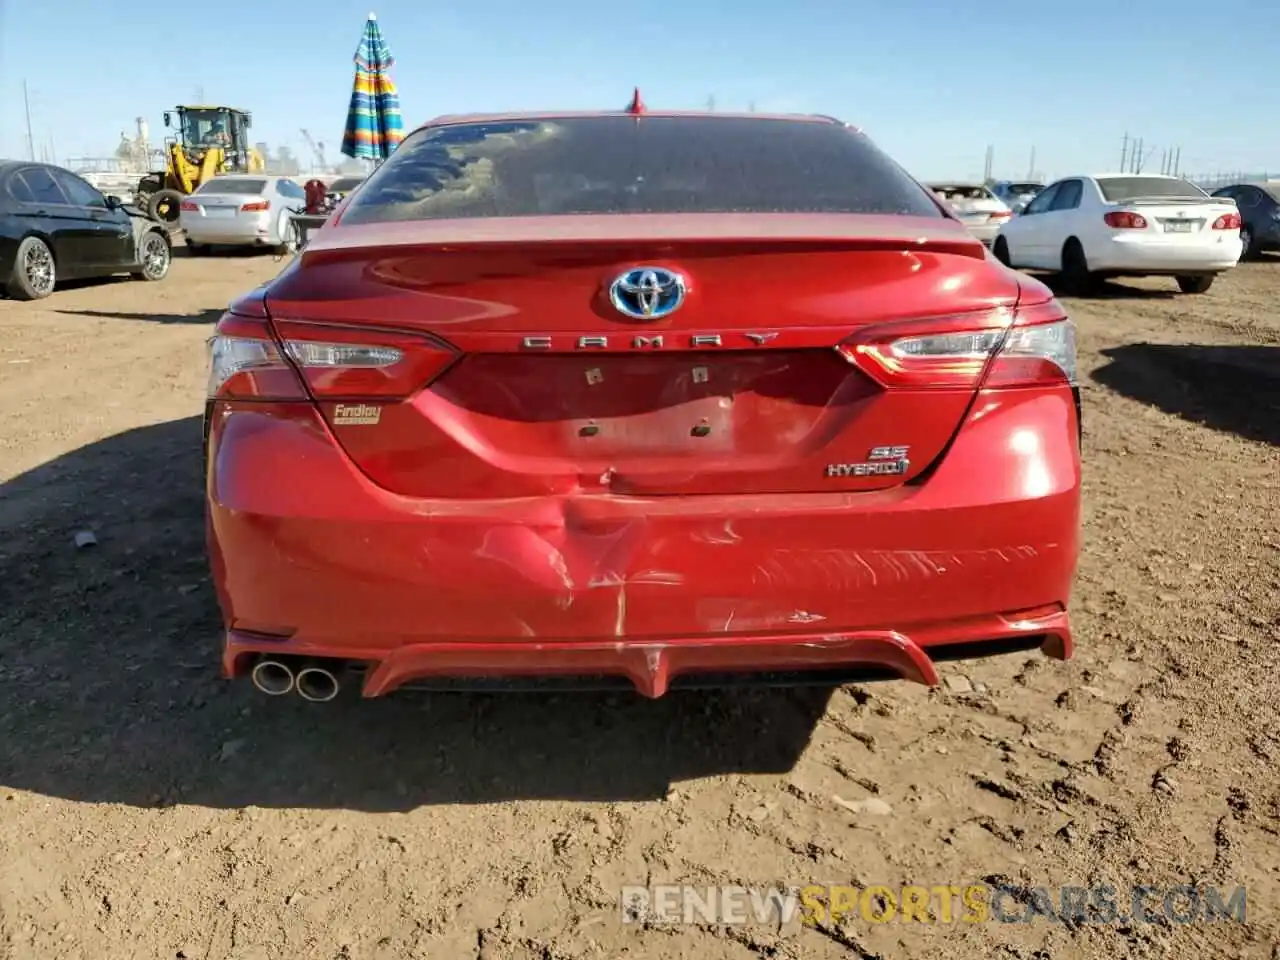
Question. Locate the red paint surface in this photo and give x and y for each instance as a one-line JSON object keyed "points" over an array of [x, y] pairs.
{"points": [[478, 529]]}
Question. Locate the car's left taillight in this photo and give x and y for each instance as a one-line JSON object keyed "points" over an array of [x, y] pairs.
{"points": [[297, 360]]}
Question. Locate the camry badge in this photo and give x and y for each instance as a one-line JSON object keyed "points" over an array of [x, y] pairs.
{"points": [[647, 293]]}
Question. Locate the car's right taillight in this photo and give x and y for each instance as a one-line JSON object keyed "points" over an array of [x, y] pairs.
{"points": [[1125, 220], [247, 361], [1035, 346], [1228, 221], [1039, 351]]}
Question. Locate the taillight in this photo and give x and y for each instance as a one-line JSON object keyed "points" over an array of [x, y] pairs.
{"points": [[255, 206], [1228, 221], [1125, 220], [1040, 350], [354, 362], [1002, 215], [1034, 347], [188, 206], [247, 362]]}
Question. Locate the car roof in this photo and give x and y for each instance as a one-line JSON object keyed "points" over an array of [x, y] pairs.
{"points": [[449, 119], [268, 177], [7, 164], [1117, 176]]}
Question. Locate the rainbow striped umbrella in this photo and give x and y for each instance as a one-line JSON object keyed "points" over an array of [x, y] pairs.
{"points": [[374, 125]]}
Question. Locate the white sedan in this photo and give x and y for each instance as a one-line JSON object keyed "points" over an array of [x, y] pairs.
{"points": [[976, 206], [240, 210], [1124, 225]]}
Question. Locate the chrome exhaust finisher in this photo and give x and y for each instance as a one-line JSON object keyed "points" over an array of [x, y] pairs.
{"points": [[273, 678], [317, 684]]}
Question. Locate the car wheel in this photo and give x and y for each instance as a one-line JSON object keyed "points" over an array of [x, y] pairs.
{"points": [[154, 256], [1001, 251], [164, 206], [1075, 266], [1195, 284], [34, 271], [1246, 244]]}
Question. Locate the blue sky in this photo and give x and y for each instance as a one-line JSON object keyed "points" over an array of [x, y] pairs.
{"points": [[932, 82]]}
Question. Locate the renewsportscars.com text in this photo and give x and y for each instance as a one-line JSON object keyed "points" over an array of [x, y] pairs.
{"points": [[822, 904]]}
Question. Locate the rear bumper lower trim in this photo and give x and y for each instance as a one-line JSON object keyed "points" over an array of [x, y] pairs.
{"points": [[652, 665]]}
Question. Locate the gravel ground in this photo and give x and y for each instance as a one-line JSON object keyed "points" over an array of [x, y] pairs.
{"points": [[149, 810]]}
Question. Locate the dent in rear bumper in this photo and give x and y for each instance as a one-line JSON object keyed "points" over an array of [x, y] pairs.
{"points": [[305, 545]]}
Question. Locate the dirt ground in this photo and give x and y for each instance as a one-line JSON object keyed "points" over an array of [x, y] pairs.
{"points": [[150, 810]]}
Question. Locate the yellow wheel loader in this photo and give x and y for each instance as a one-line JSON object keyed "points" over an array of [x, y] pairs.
{"points": [[206, 141]]}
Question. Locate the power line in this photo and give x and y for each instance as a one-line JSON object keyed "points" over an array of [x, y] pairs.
{"points": [[31, 141]]}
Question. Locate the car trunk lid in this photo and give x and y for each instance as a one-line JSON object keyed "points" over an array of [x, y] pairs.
{"points": [[548, 388]]}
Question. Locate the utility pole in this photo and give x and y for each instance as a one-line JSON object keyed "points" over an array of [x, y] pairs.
{"points": [[1164, 160], [1031, 167], [711, 104], [31, 141], [989, 165], [751, 107], [1177, 162], [1135, 161], [1124, 151]]}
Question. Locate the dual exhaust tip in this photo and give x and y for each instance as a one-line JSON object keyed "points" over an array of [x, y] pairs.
{"points": [[312, 682]]}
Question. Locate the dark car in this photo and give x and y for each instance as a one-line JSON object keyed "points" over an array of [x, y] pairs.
{"points": [[56, 226], [669, 401], [1259, 205]]}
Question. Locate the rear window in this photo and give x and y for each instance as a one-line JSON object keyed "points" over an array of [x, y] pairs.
{"points": [[586, 165], [345, 184], [1123, 189], [1025, 187], [953, 192], [236, 186]]}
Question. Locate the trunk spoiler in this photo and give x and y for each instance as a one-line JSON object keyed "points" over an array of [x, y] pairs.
{"points": [[854, 231], [1150, 201]]}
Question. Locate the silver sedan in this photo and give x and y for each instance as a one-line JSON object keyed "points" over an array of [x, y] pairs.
{"points": [[241, 210]]}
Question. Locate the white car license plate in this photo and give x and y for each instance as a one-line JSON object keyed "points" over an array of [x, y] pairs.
{"points": [[223, 212], [1177, 226]]}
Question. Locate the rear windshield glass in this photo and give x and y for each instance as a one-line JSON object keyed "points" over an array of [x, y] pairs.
{"points": [[1025, 187], [1122, 189], [585, 165], [236, 186], [345, 184], [954, 192]]}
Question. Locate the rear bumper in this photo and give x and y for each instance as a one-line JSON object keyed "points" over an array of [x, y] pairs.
{"points": [[233, 230], [986, 232], [1209, 256], [310, 559]]}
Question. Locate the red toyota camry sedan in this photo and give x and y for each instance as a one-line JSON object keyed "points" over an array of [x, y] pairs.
{"points": [[639, 398]]}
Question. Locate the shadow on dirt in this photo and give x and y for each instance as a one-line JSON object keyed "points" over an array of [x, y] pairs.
{"points": [[1107, 290], [108, 665], [204, 316], [1223, 387]]}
